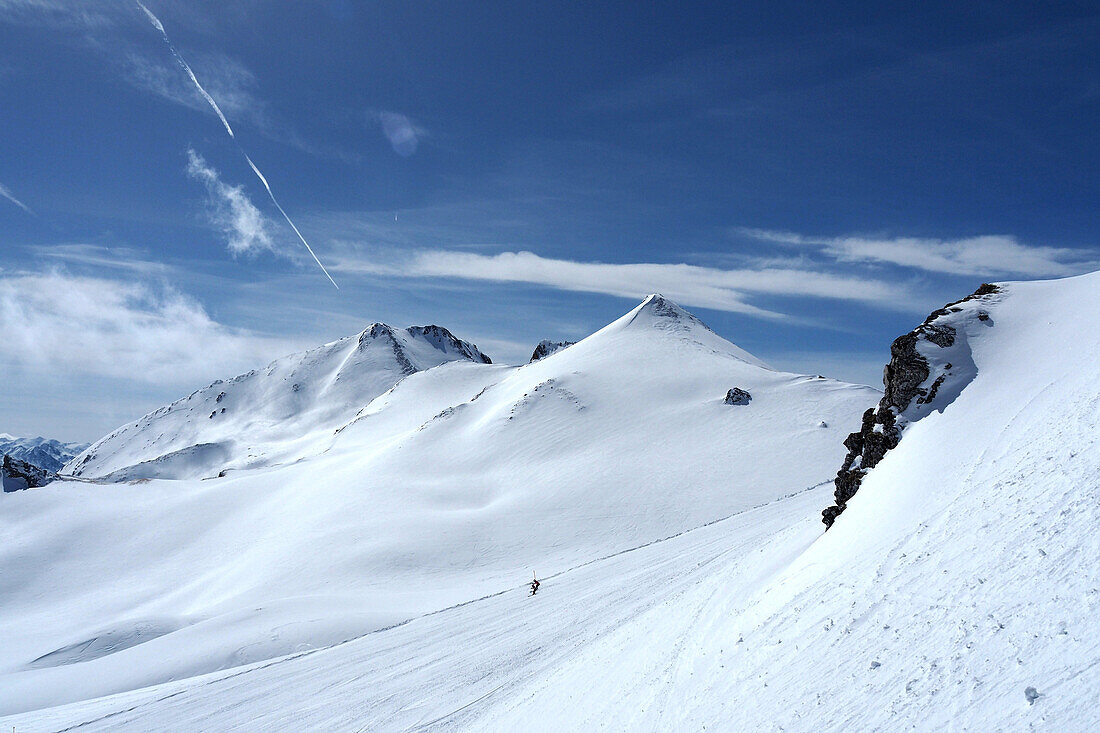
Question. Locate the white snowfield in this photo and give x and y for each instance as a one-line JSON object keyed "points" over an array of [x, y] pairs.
{"points": [[960, 590]]}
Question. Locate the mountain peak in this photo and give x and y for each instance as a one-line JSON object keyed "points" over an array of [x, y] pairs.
{"points": [[657, 310], [658, 316], [447, 342], [437, 337], [373, 331]]}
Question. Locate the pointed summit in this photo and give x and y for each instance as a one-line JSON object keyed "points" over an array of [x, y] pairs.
{"points": [[656, 306], [657, 317]]}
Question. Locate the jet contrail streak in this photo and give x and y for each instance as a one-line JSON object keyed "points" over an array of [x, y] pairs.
{"points": [[10, 197], [214, 105], [288, 221]]}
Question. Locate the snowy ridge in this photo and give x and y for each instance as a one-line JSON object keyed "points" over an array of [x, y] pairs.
{"points": [[284, 412]]}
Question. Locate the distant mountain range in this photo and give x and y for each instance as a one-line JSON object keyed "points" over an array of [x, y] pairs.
{"points": [[41, 452]]}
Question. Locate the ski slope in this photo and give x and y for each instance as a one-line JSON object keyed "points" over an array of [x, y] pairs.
{"points": [[455, 483]]}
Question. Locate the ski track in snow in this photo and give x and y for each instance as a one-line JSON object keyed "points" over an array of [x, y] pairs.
{"points": [[542, 636]]}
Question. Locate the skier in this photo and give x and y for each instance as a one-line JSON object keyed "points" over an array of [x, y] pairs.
{"points": [[534, 584]]}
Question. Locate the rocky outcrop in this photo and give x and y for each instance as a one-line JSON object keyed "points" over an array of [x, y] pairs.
{"points": [[547, 347], [738, 396], [907, 382], [17, 475], [437, 336], [448, 342], [378, 331]]}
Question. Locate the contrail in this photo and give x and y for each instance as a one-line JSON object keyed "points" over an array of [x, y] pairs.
{"points": [[214, 105], [8, 195]]}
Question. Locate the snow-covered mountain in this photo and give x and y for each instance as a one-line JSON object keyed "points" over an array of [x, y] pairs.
{"points": [[45, 453], [283, 412], [687, 582], [456, 482]]}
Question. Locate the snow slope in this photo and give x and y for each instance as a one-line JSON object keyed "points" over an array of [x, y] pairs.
{"points": [[959, 590], [455, 483], [283, 412]]}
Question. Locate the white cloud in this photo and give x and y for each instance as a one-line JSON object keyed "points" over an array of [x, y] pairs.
{"points": [[404, 134], [692, 285], [6, 193], [87, 326], [231, 209], [984, 256]]}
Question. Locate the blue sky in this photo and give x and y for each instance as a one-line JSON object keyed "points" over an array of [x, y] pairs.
{"points": [[810, 179]]}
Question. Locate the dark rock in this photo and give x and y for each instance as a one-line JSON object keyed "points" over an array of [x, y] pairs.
{"points": [[547, 347], [932, 390], [17, 475], [738, 396], [449, 341], [901, 379]]}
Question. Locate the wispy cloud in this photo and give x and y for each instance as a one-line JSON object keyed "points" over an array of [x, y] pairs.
{"points": [[99, 257], [57, 13], [692, 285], [106, 28], [6, 193], [226, 79], [231, 209], [402, 132], [984, 256], [76, 325], [232, 84]]}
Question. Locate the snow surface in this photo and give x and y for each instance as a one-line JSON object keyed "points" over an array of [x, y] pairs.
{"points": [[960, 589]]}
